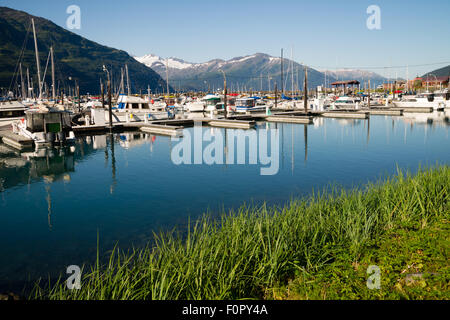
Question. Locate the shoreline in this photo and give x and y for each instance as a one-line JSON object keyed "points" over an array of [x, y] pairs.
{"points": [[252, 252]]}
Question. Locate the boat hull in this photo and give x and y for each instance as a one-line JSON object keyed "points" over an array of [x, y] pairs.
{"points": [[406, 104], [123, 117]]}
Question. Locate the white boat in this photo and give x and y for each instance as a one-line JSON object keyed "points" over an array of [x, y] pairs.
{"points": [[319, 103], [132, 109], [28, 102], [212, 103], [290, 104], [158, 104], [45, 126], [92, 104], [248, 104], [11, 111], [443, 96], [196, 105], [423, 100], [345, 102], [174, 103]]}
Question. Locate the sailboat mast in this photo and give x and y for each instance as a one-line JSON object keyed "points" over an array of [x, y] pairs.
{"points": [[128, 80], [22, 82], [122, 89], [53, 74], [282, 79], [260, 84], [37, 59], [407, 78], [306, 90], [167, 76], [292, 72], [28, 83]]}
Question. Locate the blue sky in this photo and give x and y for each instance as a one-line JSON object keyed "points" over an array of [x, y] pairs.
{"points": [[323, 34]]}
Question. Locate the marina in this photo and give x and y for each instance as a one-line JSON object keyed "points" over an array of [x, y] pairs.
{"points": [[173, 126], [180, 157]]}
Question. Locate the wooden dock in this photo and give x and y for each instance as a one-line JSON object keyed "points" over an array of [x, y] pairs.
{"points": [[385, 112], [346, 114], [163, 129], [174, 122], [16, 141], [290, 119], [90, 128], [414, 110], [232, 124]]}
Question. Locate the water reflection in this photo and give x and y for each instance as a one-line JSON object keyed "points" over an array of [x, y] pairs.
{"points": [[19, 168], [433, 119], [125, 185]]}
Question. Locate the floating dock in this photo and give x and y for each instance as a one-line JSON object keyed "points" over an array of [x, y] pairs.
{"points": [[290, 119], [16, 141], [163, 129], [232, 124], [346, 114], [385, 112], [89, 128], [414, 109]]}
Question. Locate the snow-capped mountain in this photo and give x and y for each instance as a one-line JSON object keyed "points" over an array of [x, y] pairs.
{"points": [[253, 72], [154, 61]]}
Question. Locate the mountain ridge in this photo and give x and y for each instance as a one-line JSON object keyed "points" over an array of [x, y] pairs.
{"points": [[257, 71], [75, 56], [441, 72]]}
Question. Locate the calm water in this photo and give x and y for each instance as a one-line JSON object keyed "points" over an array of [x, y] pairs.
{"points": [[53, 204]]}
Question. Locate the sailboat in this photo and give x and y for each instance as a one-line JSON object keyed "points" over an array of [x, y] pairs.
{"points": [[131, 108], [45, 124]]}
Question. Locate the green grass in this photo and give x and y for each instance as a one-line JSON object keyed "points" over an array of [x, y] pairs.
{"points": [[413, 262], [306, 249]]}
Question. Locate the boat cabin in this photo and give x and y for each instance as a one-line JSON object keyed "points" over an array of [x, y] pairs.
{"points": [[51, 121], [212, 102], [130, 103], [245, 102], [170, 101], [11, 109], [347, 100]]}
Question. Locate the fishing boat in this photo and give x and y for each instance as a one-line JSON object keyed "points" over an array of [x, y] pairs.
{"points": [[132, 109], [231, 104], [11, 111], [170, 102], [212, 103], [158, 104], [94, 103], [345, 102], [443, 96], [248, 104], [195, 106], [46, 126], [423, 100]]}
